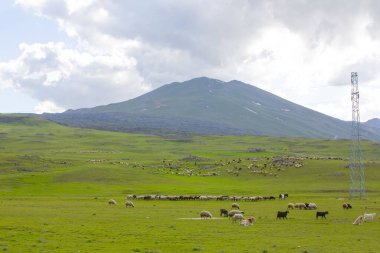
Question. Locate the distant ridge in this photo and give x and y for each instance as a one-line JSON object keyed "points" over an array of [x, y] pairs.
{"points": [[375, 123], [210, 106]]}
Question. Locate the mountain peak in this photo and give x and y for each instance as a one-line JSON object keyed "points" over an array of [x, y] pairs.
{"points": [[203, 80], [206, 105]]}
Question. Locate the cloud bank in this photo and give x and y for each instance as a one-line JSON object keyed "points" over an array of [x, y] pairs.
{"points": [[301, 50]]}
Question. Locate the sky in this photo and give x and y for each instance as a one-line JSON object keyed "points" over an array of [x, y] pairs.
{"points": [[67, 54]]}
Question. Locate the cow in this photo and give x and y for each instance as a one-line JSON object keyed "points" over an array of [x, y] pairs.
{"points": [[282, 215], [321, 214]]}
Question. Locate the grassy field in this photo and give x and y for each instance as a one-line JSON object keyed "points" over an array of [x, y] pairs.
{"points": [[55, 183]]}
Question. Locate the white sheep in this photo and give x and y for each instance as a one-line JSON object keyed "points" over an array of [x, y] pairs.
{"points": [[237, 216], [129, 203], [248, 222], [313, 206], [112, 202], [235, 205], [358, 220], [205, 214], [369, 216], [290, 206], [300, 205]]}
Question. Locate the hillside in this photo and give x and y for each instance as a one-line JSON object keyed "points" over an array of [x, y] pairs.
{"points": [[375, 123], [56, 182], [210, 106]]}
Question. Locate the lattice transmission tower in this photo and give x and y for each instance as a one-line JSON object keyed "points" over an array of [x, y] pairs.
{"points": [[357, 189]]}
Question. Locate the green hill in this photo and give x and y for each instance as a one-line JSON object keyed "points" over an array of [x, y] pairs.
{"points": [[205, 105], [56, 182]]}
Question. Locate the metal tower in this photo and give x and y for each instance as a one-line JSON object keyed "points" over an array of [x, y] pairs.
{"points": [[357, 188]]}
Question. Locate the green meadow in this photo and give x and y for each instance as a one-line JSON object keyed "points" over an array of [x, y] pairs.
{"points": [[55, 183]]}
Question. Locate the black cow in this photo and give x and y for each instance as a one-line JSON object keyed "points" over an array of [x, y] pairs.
{"points": [[321, 214], [282, 215], [224, 212]]}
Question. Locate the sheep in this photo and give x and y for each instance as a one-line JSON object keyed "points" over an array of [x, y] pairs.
{"points": [[300, 206], [290, 206], [112, 202], [321, 214], [282, 215], [312, 206], [248, 221], [233, 212], [283, 196], [205, 214], [369, 216], [358, 220], [129, 203], [235, 205], [237, 216], [223, 212], [347, 206]]}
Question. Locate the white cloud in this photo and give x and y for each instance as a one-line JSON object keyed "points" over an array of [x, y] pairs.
{"points": [[73, 78], [294, 49], [48, 107]]}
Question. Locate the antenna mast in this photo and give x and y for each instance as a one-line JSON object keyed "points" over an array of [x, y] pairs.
{"points": [[357, 168]]}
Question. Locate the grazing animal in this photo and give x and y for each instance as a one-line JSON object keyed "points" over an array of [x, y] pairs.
{"points": [[369, 216], [347, 206], [237, 216], [282, 215], [290, 206], [224, 212], [300, 206], [283, 196], [248, 221], [312, 206], [112, 202], [321, 214], [205, 214], [358, 220], [129, 203], [233, 212], [235, 205]]}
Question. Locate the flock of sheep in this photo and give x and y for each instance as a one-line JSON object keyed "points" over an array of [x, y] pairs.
{"points": [[237, 215], [200, 197]]}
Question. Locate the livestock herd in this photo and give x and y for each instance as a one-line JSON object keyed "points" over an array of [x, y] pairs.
{"points": [[203, 197], [236, 214]]}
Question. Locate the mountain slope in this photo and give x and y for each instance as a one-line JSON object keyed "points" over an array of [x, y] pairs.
{"points": [[375, 123], [207, 105]]}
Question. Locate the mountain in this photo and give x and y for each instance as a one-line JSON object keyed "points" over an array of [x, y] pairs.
{"points": [[375, 123], [211, 106]]}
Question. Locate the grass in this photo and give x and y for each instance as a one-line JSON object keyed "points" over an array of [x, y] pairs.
{"points": [[56, 182]]}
